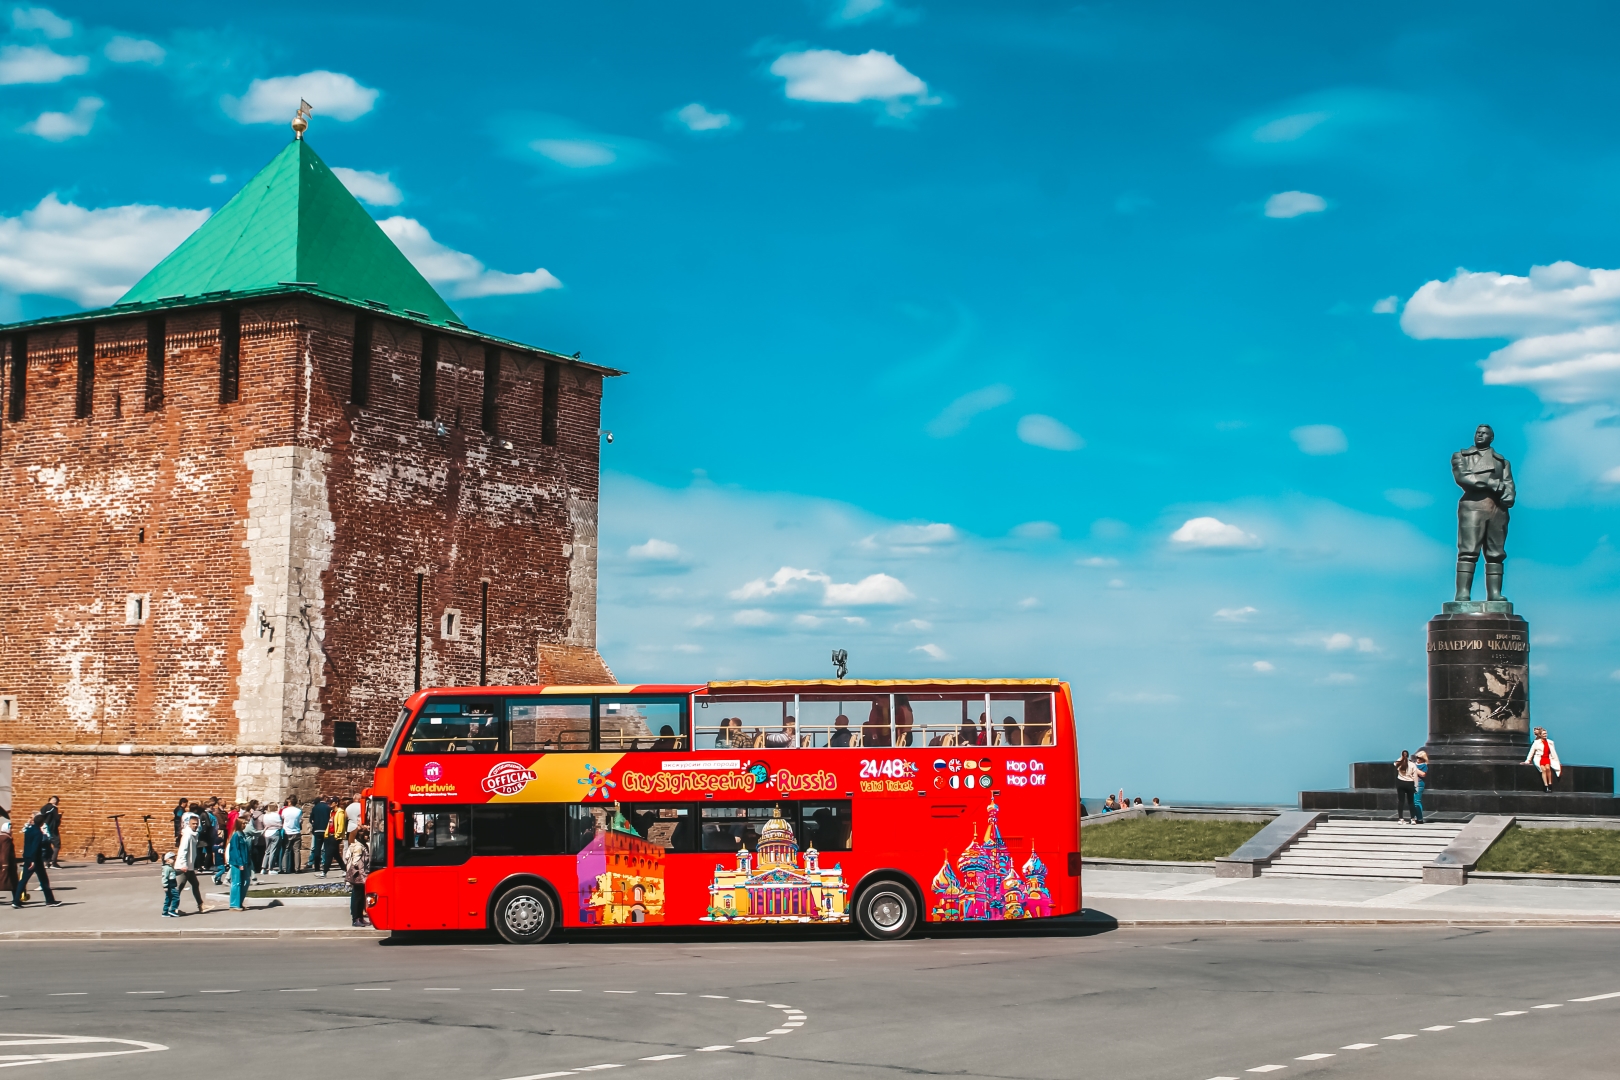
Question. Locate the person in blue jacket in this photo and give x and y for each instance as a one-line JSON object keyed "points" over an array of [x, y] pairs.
{"points": [[239, 855], [36, 851]]}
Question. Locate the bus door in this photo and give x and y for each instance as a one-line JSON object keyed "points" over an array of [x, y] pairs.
{"points": [[431, 854]]}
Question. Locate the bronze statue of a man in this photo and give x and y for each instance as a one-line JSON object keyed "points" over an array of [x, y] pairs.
{"points": [[1486, 480]]}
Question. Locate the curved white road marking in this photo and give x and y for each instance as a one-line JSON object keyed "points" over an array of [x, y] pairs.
{"points": [[43, 1056]]}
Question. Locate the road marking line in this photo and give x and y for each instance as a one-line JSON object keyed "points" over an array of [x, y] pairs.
{"points": [[219, 991], [70, 993], [1223, 1078], [358, 989], [301, 990], [669, 993], [506, 989], [1313, 1057], [720, 997], [751, 1001], [618, 991], [1598, 997], [541, 1076], [565, 991], [706, 1049], [783, 1007], [1398, 1038], [425, 989], [1476, 1020], [1266, 1068], [794, 1015], [1546, 1006], [663, 1057], [597, 1068], [1512, 1012], [145, 991], [780, 1031], [1359, 1046], [1444, 1027], [794, 1024]]}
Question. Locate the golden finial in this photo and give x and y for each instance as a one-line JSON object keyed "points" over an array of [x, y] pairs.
{"points": [[300, 120]]}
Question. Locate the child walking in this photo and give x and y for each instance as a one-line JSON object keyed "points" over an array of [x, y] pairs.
{"points": [[171, 888]]}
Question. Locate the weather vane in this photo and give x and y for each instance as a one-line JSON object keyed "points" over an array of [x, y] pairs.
{"points": [[300, 120]]}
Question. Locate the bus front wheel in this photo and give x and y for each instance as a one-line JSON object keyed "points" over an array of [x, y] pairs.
{"points": [[886, 911], [525, 915]]}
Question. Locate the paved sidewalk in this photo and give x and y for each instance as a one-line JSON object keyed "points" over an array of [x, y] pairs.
{"points": [[114, 900], [1145, 898]]}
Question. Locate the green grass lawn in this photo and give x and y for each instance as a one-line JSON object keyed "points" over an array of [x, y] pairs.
{"points": [[1554, 851], [1164, 840]]}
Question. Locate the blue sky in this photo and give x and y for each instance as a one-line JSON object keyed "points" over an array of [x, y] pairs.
{"points": [[1126, 343]]}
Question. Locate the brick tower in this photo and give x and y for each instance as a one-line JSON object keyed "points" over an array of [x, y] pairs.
{"points": [[247, 509]]}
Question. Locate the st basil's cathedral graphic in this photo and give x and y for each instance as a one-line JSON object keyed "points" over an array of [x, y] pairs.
{"points": [[985, 885]]}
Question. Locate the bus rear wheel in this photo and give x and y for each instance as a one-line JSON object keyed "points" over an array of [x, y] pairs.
{"points": [[886, 911], [525, 915]]}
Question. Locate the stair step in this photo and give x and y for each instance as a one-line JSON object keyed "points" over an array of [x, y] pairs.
{"points": [[1334, 872], [1382, 850]]}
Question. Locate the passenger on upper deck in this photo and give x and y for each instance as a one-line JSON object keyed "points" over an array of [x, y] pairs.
{"points": [[875, 732], [784, 738], [667, 739], [903, 720], [1010, 734], [841, 735]]}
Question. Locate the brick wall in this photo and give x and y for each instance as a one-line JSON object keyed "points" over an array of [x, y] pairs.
{"points": [[274, 544]]}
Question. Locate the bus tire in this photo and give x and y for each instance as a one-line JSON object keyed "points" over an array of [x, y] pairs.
{"points": [[525, 915], [886, 910]]}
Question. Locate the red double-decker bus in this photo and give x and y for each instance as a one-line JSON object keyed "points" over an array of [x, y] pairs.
{"points": [[883, 803]]}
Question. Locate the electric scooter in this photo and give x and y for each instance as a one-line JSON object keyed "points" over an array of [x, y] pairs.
{"points": [[151, 852], [124, 856]]}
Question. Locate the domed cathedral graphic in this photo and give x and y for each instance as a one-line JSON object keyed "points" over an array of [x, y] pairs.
{"points": [[621, 875], [774, 883], [985, 884]]}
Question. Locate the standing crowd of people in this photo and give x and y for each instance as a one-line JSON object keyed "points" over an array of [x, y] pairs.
{"points": [[265, 839], [41, 848]]}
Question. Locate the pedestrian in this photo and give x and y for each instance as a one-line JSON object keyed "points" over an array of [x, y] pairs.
{"points": [[1109, 804], [1544, 756], [355, 814], [292, 836], [271, 823], [1405, 787], [179, 812], [239, 854], [206, 835], [186, 854], [53, 829], [1420, 765], [33, 862], [171, 888], [356, 865], [320, 816], [1155, 800], [8, 860]]}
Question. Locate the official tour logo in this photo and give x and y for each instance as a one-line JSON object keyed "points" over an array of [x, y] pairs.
{"points": [[432, 772], [507, 778]]}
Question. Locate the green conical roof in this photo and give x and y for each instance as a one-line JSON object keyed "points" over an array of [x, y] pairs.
{"points": [[293, 223]]}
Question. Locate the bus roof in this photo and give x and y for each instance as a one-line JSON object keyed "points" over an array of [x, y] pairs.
{"points": [[749, 684]]}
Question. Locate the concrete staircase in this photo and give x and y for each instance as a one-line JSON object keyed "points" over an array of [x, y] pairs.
{"points": [[1351, 848]]}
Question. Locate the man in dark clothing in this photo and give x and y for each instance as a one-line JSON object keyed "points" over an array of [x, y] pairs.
{"points": [[34, 848], [320, 815], [52, 812]]}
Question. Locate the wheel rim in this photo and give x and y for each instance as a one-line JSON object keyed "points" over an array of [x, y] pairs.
{"points": [[525, 915], [887, 911]]}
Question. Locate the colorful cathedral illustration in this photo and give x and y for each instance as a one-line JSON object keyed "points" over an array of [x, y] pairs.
{"points": [[985, 885], [621, 875], [770, 885]]}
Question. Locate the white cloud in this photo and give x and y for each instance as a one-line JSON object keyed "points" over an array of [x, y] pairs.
{"points": [[44, 20], [461, 274], [1029, 603], [1407, 499], [827, 75], [1236, 614], [933, 532], [753, 617], [217, 178], [1555, 298], [575, 153], [38, 64], [370, 187], [1264, 667], [332, 94], [870, 590], [809, 622], [1037, 530], [1291, 204], [914, 624], [1386, 306], [1339, 642], [1320, 440], [130, 50], [958, 414], [697, 118], [1048, 433], [656, 550], [60, 126], [1288, 128], [1612, 476], [91, 257], [1116, 583], [786, 580], [932, 651], [1097, 562], [1209, 532]]}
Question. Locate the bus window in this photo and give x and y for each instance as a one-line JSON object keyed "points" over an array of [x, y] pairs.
{"points": [[436, 837], [584, 822], [549, 723], [825, 826], [735, 723], [727, 828], [642, 724], [844, 721], [518, 829], [670, 827], [377, 822], [457, 725]]}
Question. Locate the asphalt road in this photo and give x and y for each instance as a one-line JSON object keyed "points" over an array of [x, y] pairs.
{"points": [[1126, 1004]]}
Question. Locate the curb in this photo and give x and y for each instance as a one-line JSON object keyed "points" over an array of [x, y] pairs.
{"points": [[189, 935]]}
